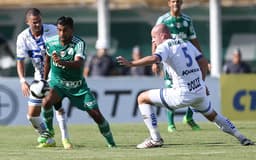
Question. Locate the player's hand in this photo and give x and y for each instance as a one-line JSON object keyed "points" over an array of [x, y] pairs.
{"points": [[56, 58], [122, 61], [153, 47], [25, 89]]}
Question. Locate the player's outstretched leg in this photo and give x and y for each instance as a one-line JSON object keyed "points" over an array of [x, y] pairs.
{"points": [[48, 119], [44, 139], [61, 118], [188, 119], [170, 121], [150, 120], [228, 127], [37, 123], [106, 132], [103, 126]]}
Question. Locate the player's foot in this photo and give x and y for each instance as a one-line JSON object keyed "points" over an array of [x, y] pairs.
{"points": [[171, 128], [150, 143], [192, 124], [44, 137], [67, 144], [246, 142], [112, 146], [49, 143]]}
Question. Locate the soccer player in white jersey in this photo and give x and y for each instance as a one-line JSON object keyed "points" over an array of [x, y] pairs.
{"points": [[31, 43], [188, 69]]}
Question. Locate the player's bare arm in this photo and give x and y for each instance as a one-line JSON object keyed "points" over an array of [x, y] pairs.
{"points": [[203, 64], [21, 74], [47, 66], [155, 67], [148, 60], [195, 42]]}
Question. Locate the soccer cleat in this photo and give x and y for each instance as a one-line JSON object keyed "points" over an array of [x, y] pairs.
{"points": [[44, 136], [171, 128], [192, 124], [112, 146], [49, 143], [150, 143], [67, 144], [246, 142]]}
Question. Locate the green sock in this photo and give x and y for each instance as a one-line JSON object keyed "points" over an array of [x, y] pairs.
{"points": [[48, 118], [105, 131], [170, 117], [189, 114]]}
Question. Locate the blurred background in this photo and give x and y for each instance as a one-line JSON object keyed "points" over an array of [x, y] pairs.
{"points": [[130, 22]]}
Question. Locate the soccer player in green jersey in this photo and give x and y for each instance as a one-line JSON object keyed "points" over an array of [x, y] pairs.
{"points": [[66, 57], [180, 27]]}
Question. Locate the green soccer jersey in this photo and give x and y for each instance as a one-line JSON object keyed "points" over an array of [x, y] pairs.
{"points": [[71, 79], [180, 27]]}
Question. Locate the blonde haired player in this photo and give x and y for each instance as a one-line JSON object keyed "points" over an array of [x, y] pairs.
{"points": [[187, 67]]}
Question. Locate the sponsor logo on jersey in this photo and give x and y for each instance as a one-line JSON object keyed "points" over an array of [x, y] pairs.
{"points": [[89, 104], [185, 23], [188, 71], [62, 53], [70, 51]]}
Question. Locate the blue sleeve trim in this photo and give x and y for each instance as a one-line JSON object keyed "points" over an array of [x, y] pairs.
{"points": [[158, 56], [20, 58], [199, 57]]}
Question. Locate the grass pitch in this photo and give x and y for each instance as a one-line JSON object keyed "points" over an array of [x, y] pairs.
{"points": [[18, 143]]}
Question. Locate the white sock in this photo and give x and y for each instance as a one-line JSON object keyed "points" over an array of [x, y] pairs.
{"points": [[150, 120], [62, 125], [227, 126], [37, 123]]}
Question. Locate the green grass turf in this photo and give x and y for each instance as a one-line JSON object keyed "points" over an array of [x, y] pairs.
{"points": [[19, 143]]}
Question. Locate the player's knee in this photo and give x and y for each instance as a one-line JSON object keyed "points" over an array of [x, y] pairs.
{"points": [[47, 103], [143, 98], [58, 106], [211, 116]]}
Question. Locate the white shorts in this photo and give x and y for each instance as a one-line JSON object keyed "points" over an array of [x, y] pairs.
{"points": [[33, 101], [174, 99]]}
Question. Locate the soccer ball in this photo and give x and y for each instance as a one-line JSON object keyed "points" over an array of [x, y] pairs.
{"points": [[39, 89]]}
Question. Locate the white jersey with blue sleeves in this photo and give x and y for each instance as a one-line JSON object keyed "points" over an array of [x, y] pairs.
{"points": [[28, 46], [179, 59]]}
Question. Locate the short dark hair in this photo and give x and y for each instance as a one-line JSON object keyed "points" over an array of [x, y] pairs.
{"points": [[66, 21], [33, 12]]}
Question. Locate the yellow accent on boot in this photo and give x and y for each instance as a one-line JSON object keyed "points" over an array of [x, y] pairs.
{"points": [[49, 143], [67, 144], [171, 128]]}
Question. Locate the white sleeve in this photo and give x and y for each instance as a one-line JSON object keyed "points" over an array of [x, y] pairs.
{"points": [[81, 49], [195, 51], [162, 51], [21, 47]]}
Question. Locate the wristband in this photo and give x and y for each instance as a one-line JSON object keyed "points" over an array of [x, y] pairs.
{"points": [[22, 80]]}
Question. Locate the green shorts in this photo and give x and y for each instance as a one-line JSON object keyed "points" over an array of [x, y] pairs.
{"points": [[85, 101]]}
